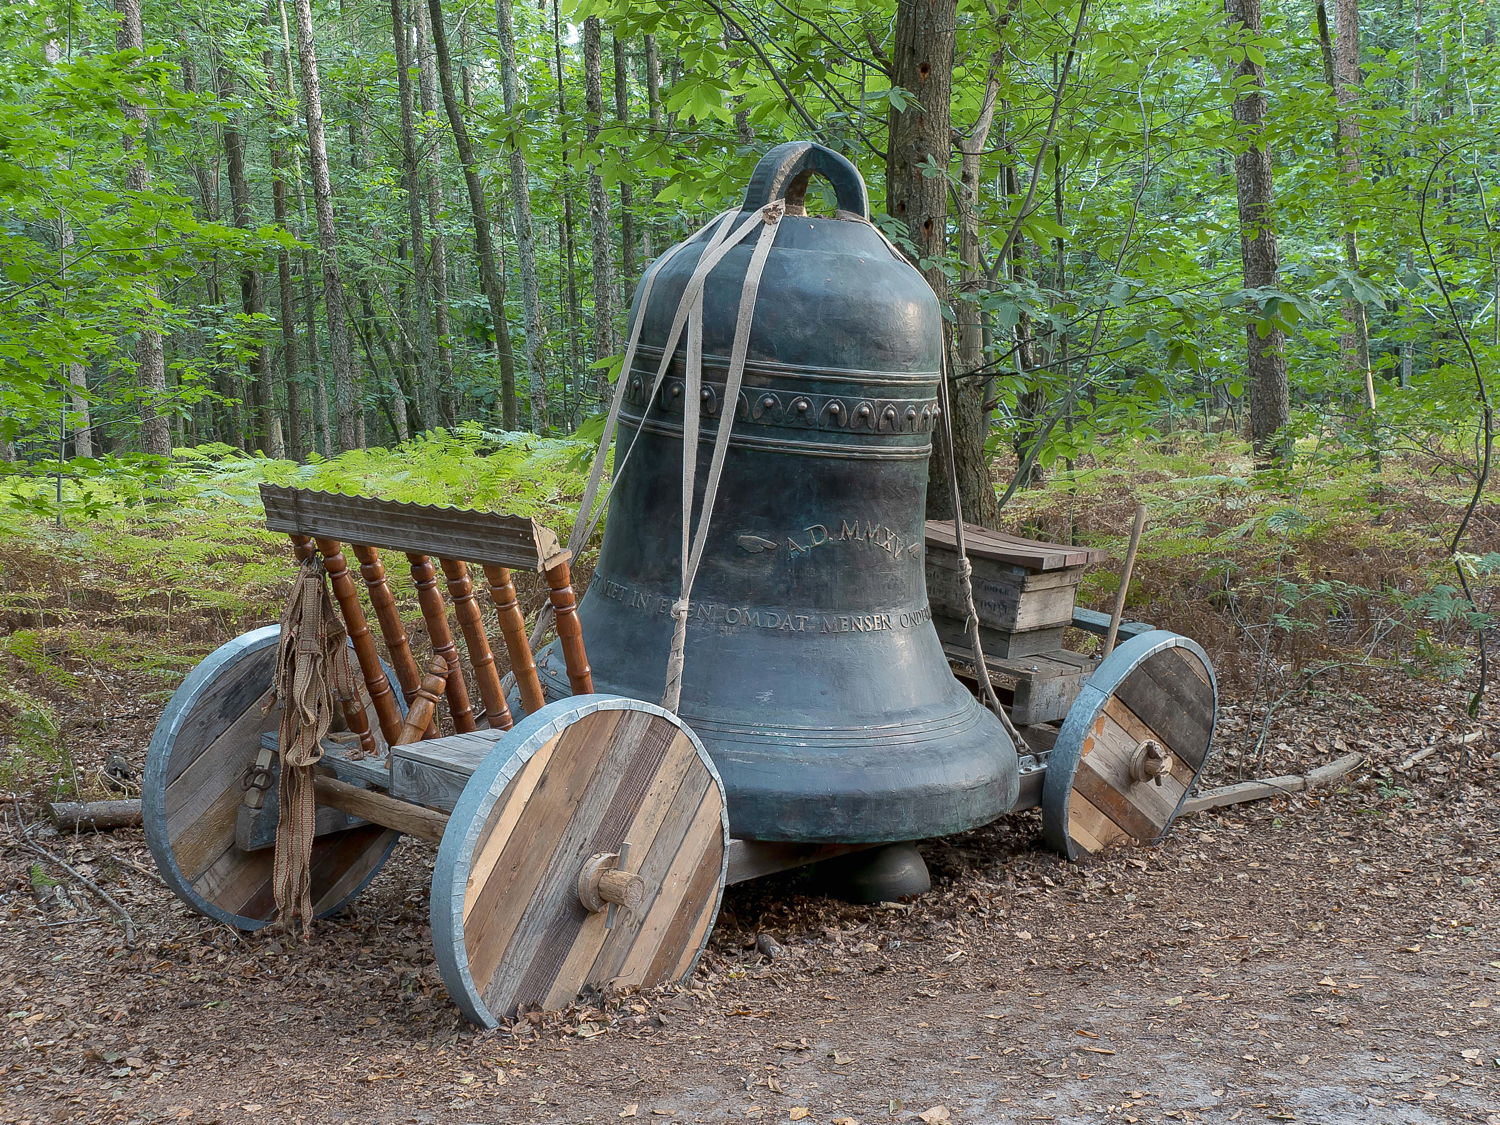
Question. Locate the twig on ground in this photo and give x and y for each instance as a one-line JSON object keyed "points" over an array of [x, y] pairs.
{"points": [[108, 899]]}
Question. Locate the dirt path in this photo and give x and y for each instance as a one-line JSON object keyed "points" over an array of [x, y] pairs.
{"points": [[1331, 958]]}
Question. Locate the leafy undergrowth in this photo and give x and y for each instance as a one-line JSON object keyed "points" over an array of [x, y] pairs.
{"points": [[1285, 579], [142, 576]]}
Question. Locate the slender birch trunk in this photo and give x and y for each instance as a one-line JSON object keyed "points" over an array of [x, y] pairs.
{"points": [[339, 355], [151, 360], [600, 232], [437, 249], [535, 347], [627, 201], [484, 246]]}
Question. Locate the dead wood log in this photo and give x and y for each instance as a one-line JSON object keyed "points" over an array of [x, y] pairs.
{"points": [[95, 816], [1265, 787]]}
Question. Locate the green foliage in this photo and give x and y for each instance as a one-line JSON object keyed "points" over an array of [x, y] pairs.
{"points": [[33, 751]]}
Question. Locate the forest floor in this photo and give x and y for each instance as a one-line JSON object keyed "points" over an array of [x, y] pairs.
{"points": [[1330, 958]]}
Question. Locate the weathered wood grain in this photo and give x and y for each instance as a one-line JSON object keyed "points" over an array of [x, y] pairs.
{"points": [[459, 533], [191, 794], [986, 543], [1156, 688], [588, 775]]}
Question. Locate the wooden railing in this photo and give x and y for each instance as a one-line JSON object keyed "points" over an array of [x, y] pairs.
{"points": [[434, 540]]}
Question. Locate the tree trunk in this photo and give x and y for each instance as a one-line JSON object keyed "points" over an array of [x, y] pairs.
{"points": [[339, 354], [627, 201], [484, 246], [520, 202], [262, 391], [1341, 71], [601, 242], [156, 430], [654, 117], [286, 296], [566, 231], [921, 136], [420, 322], [1265, 354], [437, 265]]}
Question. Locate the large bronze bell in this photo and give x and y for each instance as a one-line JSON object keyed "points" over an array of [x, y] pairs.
{"points": [[813, 673]]}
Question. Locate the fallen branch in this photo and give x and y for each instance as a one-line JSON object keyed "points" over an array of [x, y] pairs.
{"points": [[1266, 787], [108, 899], [96, 816]]}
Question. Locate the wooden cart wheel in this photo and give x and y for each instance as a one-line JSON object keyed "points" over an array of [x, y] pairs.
{"points": [[194, 783], [594, 799], [1131, 746]]}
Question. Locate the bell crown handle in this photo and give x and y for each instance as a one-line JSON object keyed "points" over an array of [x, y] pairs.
{"points": [[786, 169]]}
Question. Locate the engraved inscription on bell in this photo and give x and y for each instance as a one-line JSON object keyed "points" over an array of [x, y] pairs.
{"points": [[868, 533]]}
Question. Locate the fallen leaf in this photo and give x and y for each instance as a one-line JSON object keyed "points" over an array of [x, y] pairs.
{"points": [[842, 1060], [1172, 1002], [937, 1115], [798, 1112], [631, 1110]]}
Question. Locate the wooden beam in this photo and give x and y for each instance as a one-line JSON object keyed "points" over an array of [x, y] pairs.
{"points": [[409, 819], [1265, 787], [456, 533]]}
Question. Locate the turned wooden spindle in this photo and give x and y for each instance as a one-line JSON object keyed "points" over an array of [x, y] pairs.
{"points": [[435, 613], [481, 658], [353, 710], [569, 631], [392, 631], [345, 593], [422, 711], [517, 643], [356, 719]]}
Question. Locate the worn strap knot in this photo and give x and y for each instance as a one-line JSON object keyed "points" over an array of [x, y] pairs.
{"points": [[680, 609]]}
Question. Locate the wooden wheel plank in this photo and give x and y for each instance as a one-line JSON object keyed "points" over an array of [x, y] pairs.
{"points": [[500, 901], [1107, 750], [1093, 830], [207, 738], [532, 961], [1168, 697], [1126, 814], [642, 837], [670, 838], [556, 919], [1156, 688], [580, 777], [1136, 728]]}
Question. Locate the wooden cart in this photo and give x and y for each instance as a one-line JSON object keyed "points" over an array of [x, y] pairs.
{"points": [[587, 844]]}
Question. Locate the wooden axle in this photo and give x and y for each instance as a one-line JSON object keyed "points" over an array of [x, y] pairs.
{"points": [[381, 808]]}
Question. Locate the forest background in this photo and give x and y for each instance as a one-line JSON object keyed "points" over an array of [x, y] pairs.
{"points": [[1237, 263]]}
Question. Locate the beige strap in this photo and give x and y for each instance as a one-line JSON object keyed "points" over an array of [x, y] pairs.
{"points": [[313, 677], [694, 539]]}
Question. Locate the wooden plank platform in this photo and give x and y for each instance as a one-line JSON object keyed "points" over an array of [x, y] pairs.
{"points": [[1032, 554], [433, 773]]}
